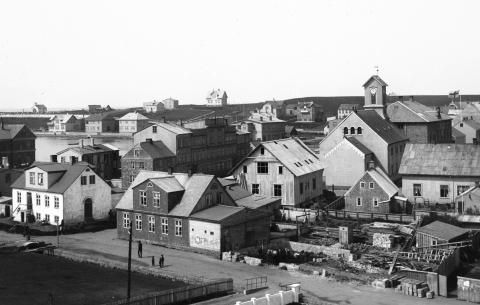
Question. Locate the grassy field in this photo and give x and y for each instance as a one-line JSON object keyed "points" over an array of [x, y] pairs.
{"points": [[36, 278]]}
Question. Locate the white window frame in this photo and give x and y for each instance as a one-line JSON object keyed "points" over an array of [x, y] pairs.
{"points": [[258, 188], [448, 191], [151, 223], [38, 199], [56, 202], [47, 201], [362, 184], [371, 185], [126, 220], [178, 227], [40, 179], [32, 178], [56, 219], [142, 195], [281, 190], [138, 222], [156, 199], [164, 222], [38, 217], [19, 197]]}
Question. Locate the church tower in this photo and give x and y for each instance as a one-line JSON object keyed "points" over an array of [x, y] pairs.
{"points": [[376, 95]]}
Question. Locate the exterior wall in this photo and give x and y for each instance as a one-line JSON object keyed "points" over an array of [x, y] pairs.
{"points": [[290, 184], [472, 135], [19, 206], [131, 125], [367, 195], [7, 177], [170, 103], [20, 151], [76, 194], [345, 165], [205, 235], [434, 132], [167, 137], [268, 131], [431, 187], [109, 125], [106, 163]]}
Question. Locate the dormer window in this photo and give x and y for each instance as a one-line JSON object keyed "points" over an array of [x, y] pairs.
{"points": [[40, 178], [32, 178]]}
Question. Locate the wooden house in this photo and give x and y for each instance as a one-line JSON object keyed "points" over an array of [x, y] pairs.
{"points": [[437, 233]]}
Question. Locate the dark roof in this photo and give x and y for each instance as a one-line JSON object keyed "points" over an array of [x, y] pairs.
{"points": [[441, 160], [413, 112], [359, 145], [257, 201], [101, 116], [217, 213], [156, 149], [457, 133], [10, 131], [377, 78], [348, 106], [70, 174], [388, 132], [442, 230], [87, 149]]}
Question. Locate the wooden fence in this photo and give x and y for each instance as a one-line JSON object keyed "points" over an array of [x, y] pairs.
{"points": [[403, 218], [182, 295]]}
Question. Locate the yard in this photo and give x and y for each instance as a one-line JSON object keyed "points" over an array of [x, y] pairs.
{"points": [[36, 279]]}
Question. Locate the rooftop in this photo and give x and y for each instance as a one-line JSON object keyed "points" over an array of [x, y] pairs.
{"points": [[441, 160], [10, 131], [414, 112], [377, 78], [442, 230], [384, 129], [89, 149], [133, 116], [217, 213]]}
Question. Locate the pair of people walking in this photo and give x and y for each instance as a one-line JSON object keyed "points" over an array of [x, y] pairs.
{"points": [[161, 260]]}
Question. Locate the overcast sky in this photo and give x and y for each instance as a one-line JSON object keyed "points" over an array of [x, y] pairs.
{"points": [[123, 53]]}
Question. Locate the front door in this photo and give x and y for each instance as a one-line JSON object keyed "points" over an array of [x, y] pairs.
{"points": [[29, 201], [88, 209], [22, 217]]}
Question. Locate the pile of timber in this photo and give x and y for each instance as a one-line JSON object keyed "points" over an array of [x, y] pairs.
{"points": [[414, 288]]}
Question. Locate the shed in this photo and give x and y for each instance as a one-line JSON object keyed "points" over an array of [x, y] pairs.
{"points": [[438, 232]]}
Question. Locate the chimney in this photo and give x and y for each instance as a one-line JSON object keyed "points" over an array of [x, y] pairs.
{"points": [[439, 115], [371, 164], [170, 170], [4, 162], [190, 172], [149, 140], [477, 183], [53, 158], [1, 121], [92, 141]]}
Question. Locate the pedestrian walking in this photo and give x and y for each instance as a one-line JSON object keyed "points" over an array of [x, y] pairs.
{"points": [[140, 246], [28, 233], [153, 260], [162, 261]]}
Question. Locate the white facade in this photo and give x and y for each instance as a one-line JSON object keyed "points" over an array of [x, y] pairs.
{"points": [[217, 98], [205, 235], [153, 106], [72, 205]]}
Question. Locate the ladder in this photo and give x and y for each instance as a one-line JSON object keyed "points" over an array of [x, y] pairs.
{"points": [[407, 244]]}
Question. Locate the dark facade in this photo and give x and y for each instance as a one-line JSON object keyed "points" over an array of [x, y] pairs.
{"points": [[101, 122], [433, 132], [17, 146]]}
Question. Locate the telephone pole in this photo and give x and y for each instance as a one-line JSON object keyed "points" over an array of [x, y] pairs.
{"points": [[129, 260]]}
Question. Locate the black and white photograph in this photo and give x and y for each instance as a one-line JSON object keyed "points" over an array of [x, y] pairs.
{"points": [[269, 152]]}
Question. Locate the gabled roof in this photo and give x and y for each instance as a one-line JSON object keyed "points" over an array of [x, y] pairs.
{"points": [[382, 180], [217, 213], [88, 149], [177, 129], [457, 133], [153, 103], [354, 141], [133, 116], [168, 184], [413, 112], [441, 160], [470, 123], [156, 149], [377, 78], [388, 132], [10, 131], [216, 94], [100, 116], [257, 201], [292, 153], [442, 230], [70, 174]]}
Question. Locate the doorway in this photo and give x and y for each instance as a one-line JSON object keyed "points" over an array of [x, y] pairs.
{"points": [[7, 211], [88, 213]]}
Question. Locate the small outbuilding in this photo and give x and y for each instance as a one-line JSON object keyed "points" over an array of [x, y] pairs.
{"points": [[437, 233]]}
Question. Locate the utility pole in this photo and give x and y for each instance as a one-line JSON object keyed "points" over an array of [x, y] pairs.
{"points": [[129, 260], [58, 237]]}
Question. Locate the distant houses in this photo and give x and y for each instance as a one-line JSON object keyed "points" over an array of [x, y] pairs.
{"points": [[101, 122], [285, 169], [132, 122], [170, 103], [189, 211], [66, 123], [435, 174], [60, 192], [345, 109], [17, 145], [153, 106], [39, 108], [217, 98], [263, 127]]}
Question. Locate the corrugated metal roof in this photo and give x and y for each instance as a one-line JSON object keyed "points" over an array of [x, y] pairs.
{"points": [[294, 155], [442, 230], [71, 173], [217, 213], [380, 126], [413, 112], [441, 160]]}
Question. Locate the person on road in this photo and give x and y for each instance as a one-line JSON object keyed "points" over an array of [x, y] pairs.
{"points": [[140, 246], [153, 260], [161, 261]]}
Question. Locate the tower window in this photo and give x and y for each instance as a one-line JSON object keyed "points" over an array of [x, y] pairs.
{"points": [[345, 130], [352, 130], [359, 130]]}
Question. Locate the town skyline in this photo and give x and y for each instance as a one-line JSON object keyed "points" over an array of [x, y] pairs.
{"points": [[124, 56]]}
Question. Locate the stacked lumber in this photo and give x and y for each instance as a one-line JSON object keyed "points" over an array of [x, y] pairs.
{"points": [[382, 240], [414, 288]]}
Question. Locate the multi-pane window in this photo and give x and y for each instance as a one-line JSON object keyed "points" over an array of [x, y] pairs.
{"points": [[154, 129], [371, 185], [375, 202], [156, 199], [255, 188], [131, 178], [444, 191], [462, 188], [417, 190], [92, 179], [262, 167], [362, 184], [164, 226], [280, 170], [126, 220], [138, 222], [56, 219], [151, 223], [56, 202], [178, 227], [40, 178], [277, 190], [47, 218], [141, 165], [143, 197], [83, 180], [32, 178], [47, 201], [37, 199], [359, 201], [19, 197], [38, 216], [136, 153]]}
